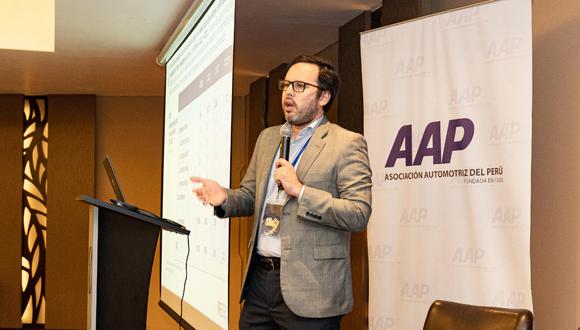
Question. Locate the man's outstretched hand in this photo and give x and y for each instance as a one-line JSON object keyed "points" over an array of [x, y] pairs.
{"points": [[209, 191]]}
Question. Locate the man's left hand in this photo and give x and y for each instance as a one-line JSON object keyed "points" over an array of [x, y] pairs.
{"points": [[286, 175]]}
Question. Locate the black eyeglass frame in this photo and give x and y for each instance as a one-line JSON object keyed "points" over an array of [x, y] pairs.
{"points": [[282, 87]]}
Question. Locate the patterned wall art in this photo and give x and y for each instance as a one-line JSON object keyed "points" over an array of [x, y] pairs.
{"points": [[35, 159]]}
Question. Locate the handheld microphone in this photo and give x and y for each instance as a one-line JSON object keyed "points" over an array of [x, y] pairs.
{"points": [[285, 136]]}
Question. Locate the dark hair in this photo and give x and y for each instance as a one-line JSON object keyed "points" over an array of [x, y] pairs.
{"points": [[328, 78]]}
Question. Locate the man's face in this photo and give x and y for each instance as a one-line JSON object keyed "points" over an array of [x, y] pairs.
{"points": [[301, 108]]}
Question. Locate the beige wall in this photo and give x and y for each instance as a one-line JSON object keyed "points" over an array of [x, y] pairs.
{"points": [[556, 164], [70, 173], [130, 131], [11, 132]]}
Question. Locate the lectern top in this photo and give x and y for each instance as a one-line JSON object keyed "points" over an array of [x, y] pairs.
{"points": [[165, 224]]}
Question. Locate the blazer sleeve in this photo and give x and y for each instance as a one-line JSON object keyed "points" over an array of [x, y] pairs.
{"points": [[240, 202], [352, 208]]}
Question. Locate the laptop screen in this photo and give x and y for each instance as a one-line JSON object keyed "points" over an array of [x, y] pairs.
{"points": [[113, 179]]}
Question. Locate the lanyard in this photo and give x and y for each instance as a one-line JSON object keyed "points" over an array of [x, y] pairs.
{"points": [[300, 153]]}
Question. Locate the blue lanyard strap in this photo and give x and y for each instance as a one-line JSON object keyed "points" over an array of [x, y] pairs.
{"points": [[300, 152]]}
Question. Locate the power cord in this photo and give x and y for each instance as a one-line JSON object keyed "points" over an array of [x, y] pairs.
{"points": [[184, 283]]}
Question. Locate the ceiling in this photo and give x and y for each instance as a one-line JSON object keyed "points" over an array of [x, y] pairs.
{"points": [[108, 47]]}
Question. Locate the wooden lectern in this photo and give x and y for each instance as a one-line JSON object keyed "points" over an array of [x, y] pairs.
{"points": [[121, 250]]}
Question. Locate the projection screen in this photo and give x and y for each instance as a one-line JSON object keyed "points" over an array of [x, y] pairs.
{"points": [[197, 137]]}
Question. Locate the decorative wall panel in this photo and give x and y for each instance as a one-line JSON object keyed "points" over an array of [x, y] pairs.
{"points": [[35, 159]]}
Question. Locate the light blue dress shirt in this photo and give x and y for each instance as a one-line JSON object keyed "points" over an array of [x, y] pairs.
{"points": [[270, 246]]}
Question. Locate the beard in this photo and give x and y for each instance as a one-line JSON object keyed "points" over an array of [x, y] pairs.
{"points": [[303, 115]]}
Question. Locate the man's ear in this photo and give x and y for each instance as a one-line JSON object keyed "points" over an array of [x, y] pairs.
{"points": [[324, 98]]}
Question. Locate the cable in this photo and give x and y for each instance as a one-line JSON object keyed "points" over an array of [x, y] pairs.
{"points": [[184, 283]]}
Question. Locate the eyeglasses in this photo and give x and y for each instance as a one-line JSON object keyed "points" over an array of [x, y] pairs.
{"points": [[297, 86]]}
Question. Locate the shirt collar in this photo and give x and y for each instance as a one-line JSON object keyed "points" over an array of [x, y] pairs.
{"points": [[306, 130]]}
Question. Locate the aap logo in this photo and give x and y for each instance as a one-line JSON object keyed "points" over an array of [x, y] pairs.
{"points": [[376, 109], [468, 256], [504, 132], [466, 96], [380, 252], [506, 216], [415, 291], [403, 145], [460, 18], [504, 48], [381, 323], [413, 216], [376, 38], [410, 66], [509, 298]]}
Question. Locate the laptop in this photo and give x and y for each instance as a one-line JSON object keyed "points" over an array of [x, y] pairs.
{"points": [[120, 197]]}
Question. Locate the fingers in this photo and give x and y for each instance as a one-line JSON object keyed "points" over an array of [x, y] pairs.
{"points": [[196, 179], [202, 187], [202, 195], [282, 162], [283, 168], [199, 193], [199, 190], [208, 191], [278, 174], [285, 175]]}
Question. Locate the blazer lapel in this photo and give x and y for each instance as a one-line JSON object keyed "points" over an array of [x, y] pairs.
{"points": [[270, 145], [314, 147]]}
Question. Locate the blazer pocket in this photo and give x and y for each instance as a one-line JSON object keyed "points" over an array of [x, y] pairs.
{"points": [[330, 252]]}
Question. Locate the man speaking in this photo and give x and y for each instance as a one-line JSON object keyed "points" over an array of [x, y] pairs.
{"points": [[305, 207]]}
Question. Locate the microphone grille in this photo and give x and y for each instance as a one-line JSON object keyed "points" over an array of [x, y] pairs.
{"points": [[285, 131]]}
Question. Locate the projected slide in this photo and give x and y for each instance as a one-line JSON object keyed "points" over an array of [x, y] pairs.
{"points": [[197, 143]]}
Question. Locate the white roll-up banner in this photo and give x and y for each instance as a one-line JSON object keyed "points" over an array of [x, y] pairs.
{"points": [[448, 120]]}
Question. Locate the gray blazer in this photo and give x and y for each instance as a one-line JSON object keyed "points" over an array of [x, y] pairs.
{"points": [[315, 271]]}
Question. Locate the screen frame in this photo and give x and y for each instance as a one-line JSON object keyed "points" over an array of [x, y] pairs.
{"points": [[170, 311]]}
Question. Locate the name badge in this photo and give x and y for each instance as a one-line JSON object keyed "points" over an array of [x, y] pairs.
{"points": [[273, 215]]}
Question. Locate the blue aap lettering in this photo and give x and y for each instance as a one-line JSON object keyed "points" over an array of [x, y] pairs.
{"points": [[403, 145], [468, 256]]}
